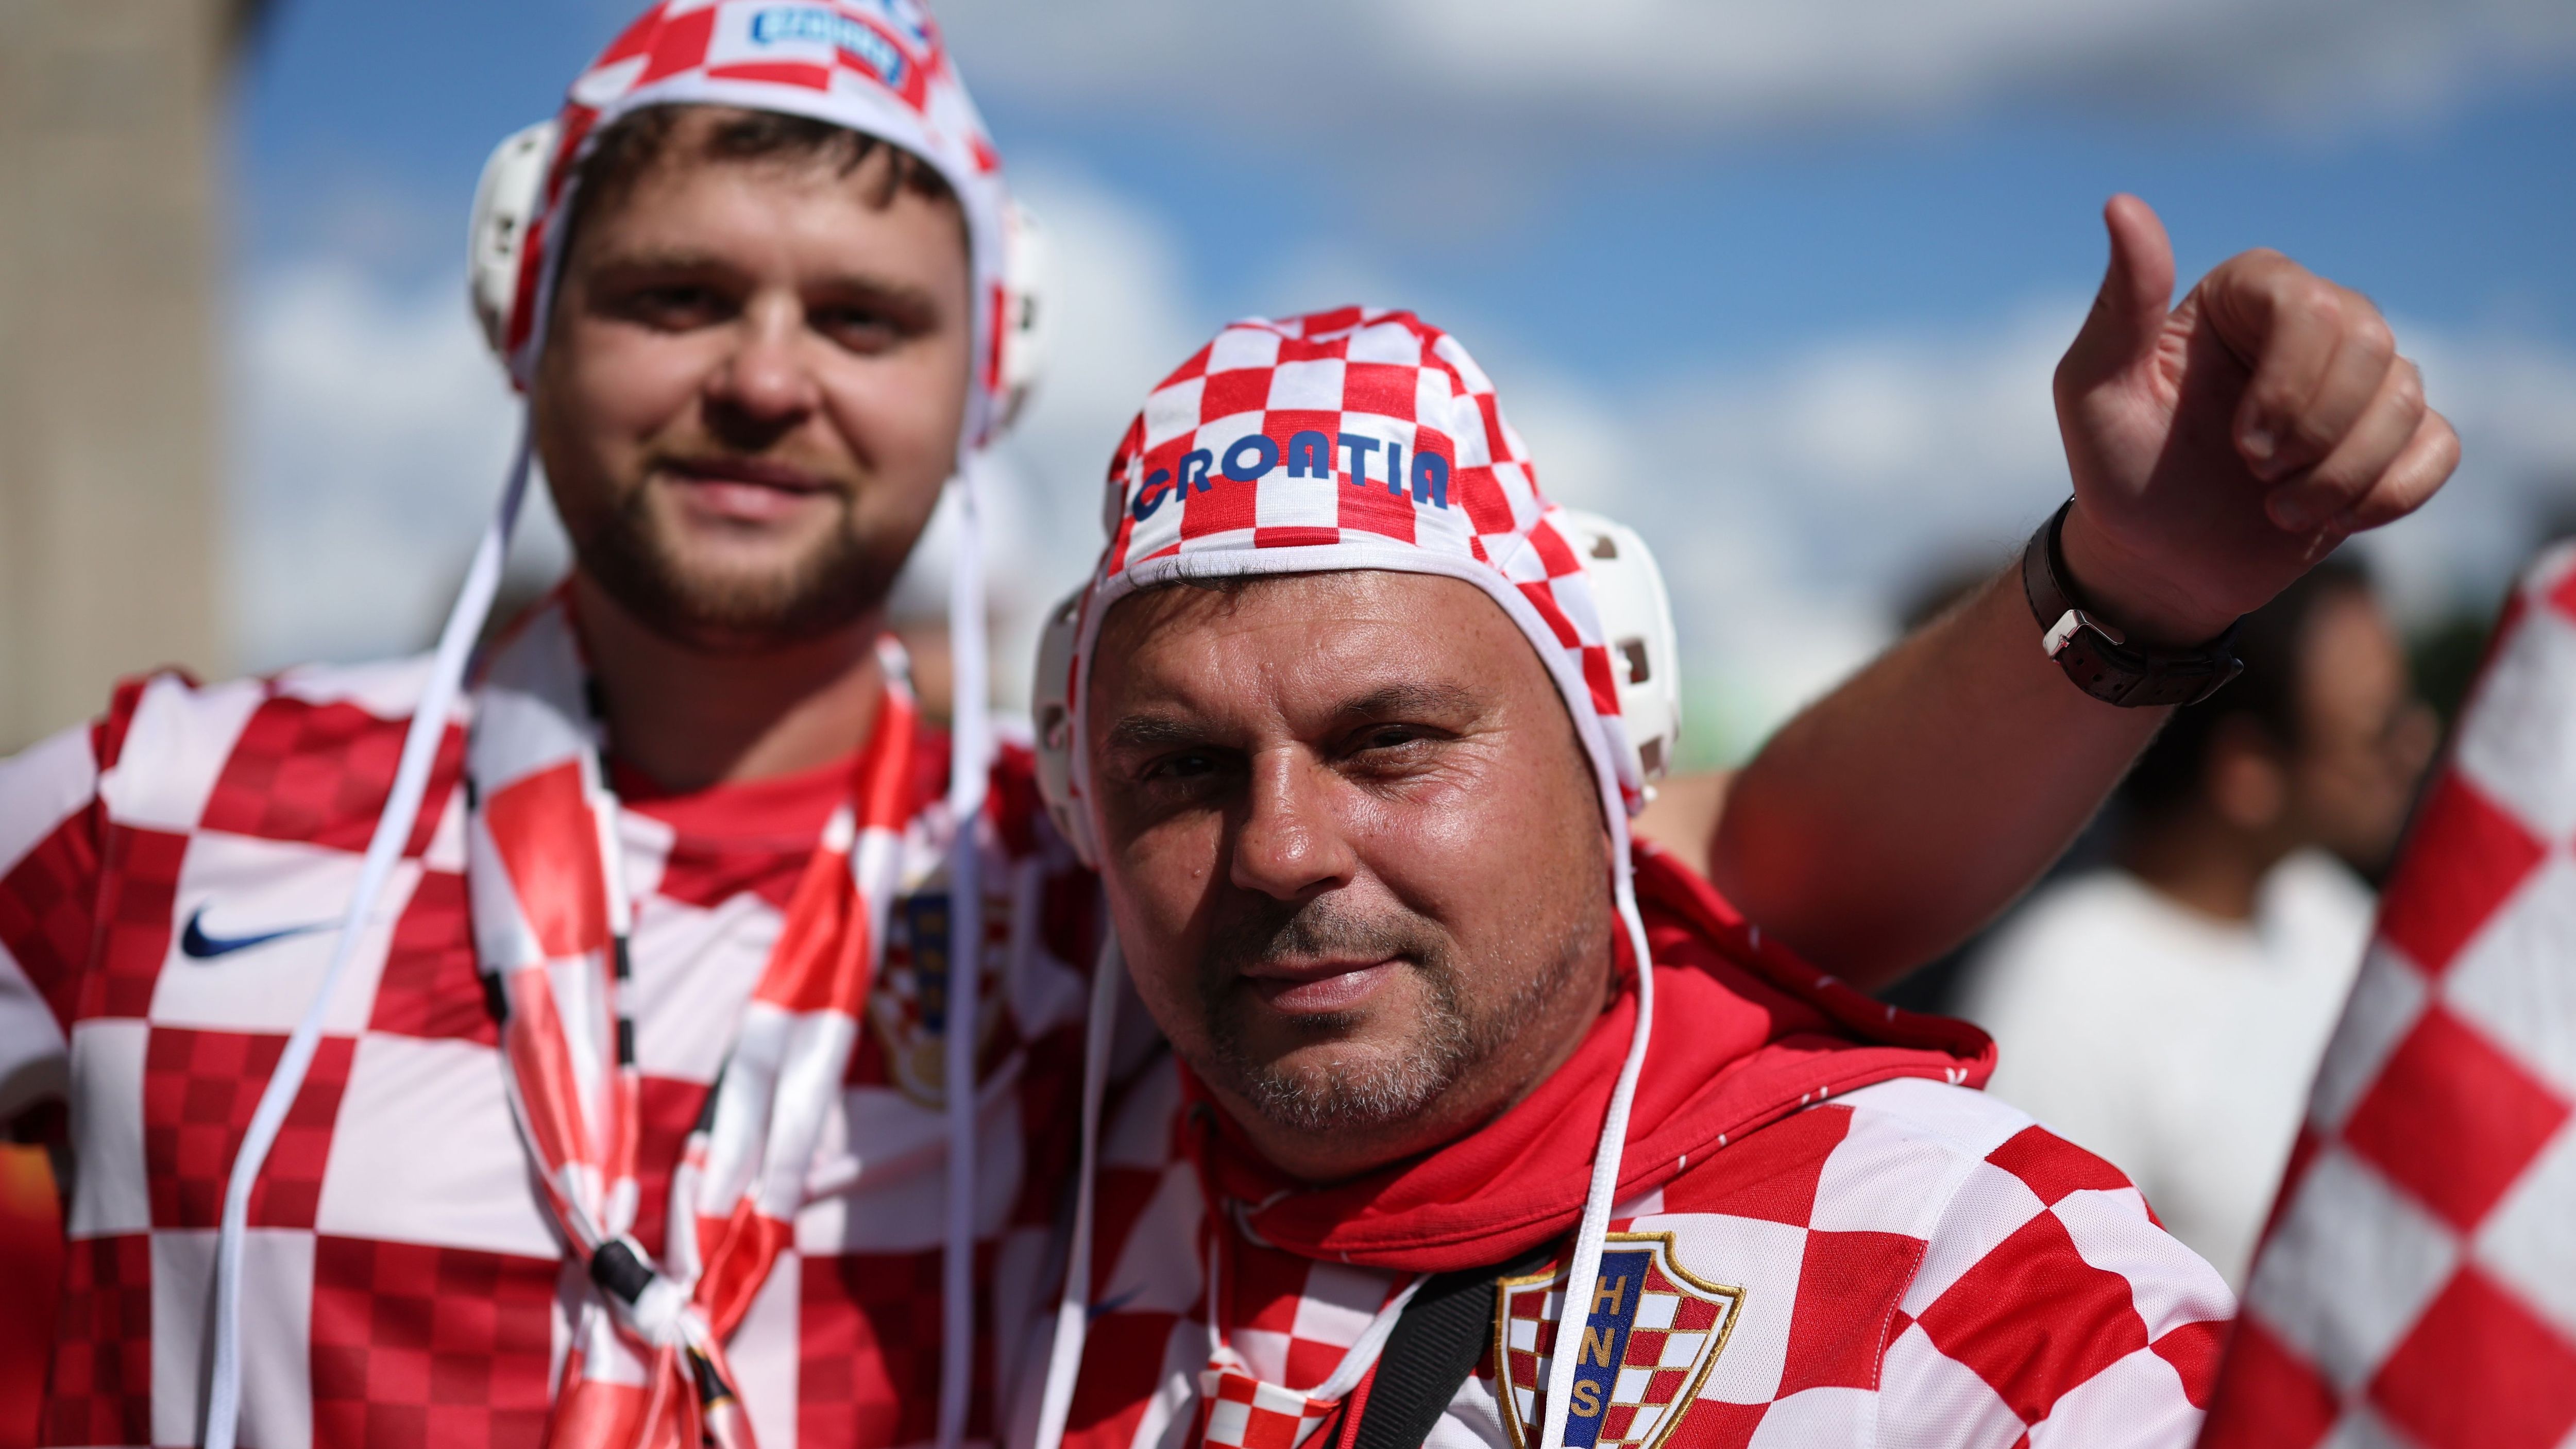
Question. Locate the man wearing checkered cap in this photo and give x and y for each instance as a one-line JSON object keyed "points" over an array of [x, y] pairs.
{"points": [[1480, 1125], [638, 1107]]}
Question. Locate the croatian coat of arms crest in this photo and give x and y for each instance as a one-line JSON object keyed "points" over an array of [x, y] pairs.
{"points": [[908, 1002], [1653, 1333]]}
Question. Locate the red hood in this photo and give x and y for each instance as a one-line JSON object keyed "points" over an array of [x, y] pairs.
{"points": [[1745, 1033]]}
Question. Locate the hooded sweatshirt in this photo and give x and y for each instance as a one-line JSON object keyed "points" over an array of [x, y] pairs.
{"points": [[1792, 1217]]}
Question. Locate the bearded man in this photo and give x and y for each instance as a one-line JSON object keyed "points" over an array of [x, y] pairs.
{"points": [[1484, 1124], [637, 1050]]}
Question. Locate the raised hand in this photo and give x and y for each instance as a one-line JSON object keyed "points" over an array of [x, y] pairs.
{"points": [[2221, 447]]}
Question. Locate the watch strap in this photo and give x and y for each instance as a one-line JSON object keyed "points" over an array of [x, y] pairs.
{"points": [[2096, 655]]}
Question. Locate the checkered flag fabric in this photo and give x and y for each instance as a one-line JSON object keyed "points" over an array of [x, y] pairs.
{"points": [[2418, 1283], [878, 67], [551, 919]]}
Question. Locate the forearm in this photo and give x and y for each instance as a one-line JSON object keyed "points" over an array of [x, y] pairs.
{"points": [[1901, 812]]}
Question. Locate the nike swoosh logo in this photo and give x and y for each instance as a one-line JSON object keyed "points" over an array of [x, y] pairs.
{"points": [[196, 945], [1107, 1306]]}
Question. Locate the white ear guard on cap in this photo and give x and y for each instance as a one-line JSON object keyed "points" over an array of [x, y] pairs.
{"points": [[505, 202], [1026, 316], [1051, 710], [1636, 617], [514, 183]]}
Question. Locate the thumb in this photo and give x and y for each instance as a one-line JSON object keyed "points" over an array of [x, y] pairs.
{"points": [[2128, 315]]}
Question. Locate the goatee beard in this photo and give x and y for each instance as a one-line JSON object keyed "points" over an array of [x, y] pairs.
{"points": [[1359, 1091], [835, 583]]}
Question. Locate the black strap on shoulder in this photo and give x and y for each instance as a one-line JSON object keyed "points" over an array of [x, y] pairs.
{"points": [[1432, 1350]]}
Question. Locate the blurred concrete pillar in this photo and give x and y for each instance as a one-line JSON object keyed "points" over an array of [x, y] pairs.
{"points": [[110, 526]]}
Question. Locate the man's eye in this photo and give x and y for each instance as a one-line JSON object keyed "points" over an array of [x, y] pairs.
{"points": [[1389, 737], [864, 330], [675, 308], [1186, 765]]}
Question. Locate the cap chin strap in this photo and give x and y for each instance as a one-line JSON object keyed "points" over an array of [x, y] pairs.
{"points": [[1600, 1197], [1073, 1311], [972, 733], [971, 743], [384, 851]]}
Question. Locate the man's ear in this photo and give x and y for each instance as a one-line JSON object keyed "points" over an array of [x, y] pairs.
{"points": [[2244, 776]]}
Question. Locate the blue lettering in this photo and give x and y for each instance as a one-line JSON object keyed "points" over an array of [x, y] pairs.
{"points": [[906, 16], [1194, 468], [1150, 497], [1395, 469], [1310, 455], [817, 25], [1431, 479], [1604, 1345], [1360, 448], [1265, 456]]}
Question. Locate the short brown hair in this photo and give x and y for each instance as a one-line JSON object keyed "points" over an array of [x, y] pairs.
{"points": [[631, 146]]}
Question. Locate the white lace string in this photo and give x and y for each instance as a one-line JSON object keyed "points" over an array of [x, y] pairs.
{"points": [[970, 733], [384, 850], [1598, 1197], [1073, 1312]]}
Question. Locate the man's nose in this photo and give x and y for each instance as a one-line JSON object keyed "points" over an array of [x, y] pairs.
{"points": [[1290, 846], [763, 383]]}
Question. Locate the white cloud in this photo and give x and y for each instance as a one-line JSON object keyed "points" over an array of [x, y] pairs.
{"points": [[1275, 69], [370, 433], [1794, 502], [1119, 321], [1797, 505]]}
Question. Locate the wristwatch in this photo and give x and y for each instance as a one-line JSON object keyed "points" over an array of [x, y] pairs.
{"points": [[2098, 657]]}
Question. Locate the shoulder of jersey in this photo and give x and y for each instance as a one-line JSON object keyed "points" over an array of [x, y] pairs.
{"points": [[385, 689], [1960, 1119]]}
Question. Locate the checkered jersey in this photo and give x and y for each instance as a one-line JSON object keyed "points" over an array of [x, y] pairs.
{"points": [[168, 883], [1912, 1264], [2418, 1283]]}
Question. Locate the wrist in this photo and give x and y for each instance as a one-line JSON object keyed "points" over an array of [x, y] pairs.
{"points": [[2129, 593], [2098, 655]]}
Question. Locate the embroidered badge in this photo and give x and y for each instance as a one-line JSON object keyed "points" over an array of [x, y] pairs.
{"points": [[1652, 1335], [908, 1004]]}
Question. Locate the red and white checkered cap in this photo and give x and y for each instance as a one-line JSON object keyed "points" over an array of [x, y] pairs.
{"points": [[878, 67], [1353, 439]]}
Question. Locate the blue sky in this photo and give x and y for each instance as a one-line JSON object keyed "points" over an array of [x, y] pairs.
{"points": [[1779, 281], [1616, 253]]}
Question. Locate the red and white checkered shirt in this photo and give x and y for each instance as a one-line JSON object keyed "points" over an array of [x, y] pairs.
{"points": [[167, 882], [1912, 1264]]}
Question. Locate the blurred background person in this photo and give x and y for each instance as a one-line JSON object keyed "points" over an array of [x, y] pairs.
{"points": [[2167, 1010]]}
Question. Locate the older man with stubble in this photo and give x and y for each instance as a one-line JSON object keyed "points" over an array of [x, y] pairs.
{"points": [[1484, 1124]]}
